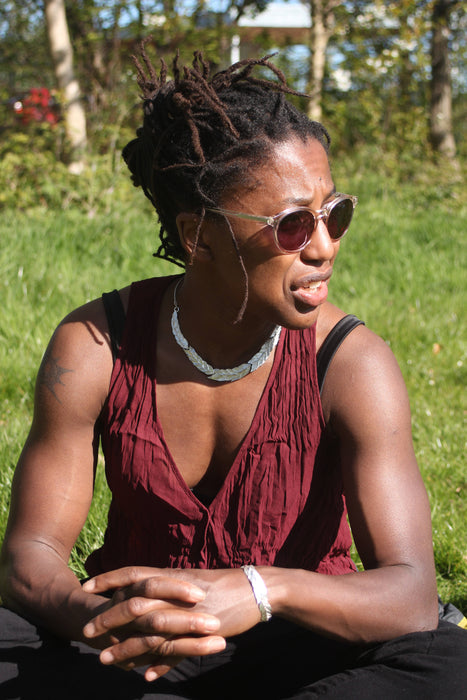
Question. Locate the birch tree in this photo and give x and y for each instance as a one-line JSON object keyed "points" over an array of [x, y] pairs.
{"points": [[322, 28], [441, 128], [62, 55]]}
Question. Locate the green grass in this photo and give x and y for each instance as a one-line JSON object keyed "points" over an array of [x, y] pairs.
{"points": [[401, 269]]}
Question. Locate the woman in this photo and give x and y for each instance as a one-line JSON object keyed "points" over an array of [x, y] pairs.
{"points": [[230, 474]]}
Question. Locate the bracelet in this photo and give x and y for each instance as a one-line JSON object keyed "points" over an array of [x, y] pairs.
{"points": [[259, 591]]}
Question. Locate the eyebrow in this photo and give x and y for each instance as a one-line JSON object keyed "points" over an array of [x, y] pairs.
{"points": [[303, 202]]}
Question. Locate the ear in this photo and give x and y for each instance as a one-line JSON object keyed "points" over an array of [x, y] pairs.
{"points": [[195, 244]]}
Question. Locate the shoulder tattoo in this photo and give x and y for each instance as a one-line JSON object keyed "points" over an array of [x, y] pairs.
{"points": [[51, 373]]}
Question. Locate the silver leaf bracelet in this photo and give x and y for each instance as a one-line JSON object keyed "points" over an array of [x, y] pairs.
{"points": [[259, 591]]}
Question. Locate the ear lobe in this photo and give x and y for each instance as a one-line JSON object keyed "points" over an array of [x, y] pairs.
{"points": [[193, 242]]}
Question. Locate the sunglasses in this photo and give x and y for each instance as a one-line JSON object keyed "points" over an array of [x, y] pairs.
{"points": [[294, 227]]}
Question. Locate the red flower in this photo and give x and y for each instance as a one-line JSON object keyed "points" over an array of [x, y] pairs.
{"points": [[38, 106]]}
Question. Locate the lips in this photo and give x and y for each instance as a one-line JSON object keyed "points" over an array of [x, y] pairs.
{"points": [[312, 290]]}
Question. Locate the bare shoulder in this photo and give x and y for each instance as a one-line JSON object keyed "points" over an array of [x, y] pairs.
{"points": [[329, 315], [364, 379], [77, 364]]}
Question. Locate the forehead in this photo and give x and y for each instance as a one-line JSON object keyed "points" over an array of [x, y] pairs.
{"points": [[303, 165], [296, 151], [293, 172]]}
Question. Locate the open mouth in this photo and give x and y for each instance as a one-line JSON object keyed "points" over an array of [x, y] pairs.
{"points": [[311, 293], [312, 287]]}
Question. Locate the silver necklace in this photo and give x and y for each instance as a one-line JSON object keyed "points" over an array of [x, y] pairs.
{"points": [[221, 375]]}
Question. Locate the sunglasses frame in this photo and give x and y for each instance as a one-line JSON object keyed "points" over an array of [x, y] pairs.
{"points": [[274, 221]]}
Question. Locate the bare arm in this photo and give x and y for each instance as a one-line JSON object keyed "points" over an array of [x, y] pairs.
{"points": [[367, 407], [53, 483], [52, 492]]}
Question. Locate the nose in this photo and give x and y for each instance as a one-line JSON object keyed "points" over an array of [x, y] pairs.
{"points": [[321, 247]]}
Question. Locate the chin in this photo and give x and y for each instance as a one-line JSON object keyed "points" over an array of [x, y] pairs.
{"points": [[300, 320]]}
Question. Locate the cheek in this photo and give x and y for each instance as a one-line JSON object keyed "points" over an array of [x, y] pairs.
{"points": [[271, 278], [337, 246], [336, 250], [262, 259]]}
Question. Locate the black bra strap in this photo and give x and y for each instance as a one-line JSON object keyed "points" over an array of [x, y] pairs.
{"points": [[115, 318], [331, 343]]}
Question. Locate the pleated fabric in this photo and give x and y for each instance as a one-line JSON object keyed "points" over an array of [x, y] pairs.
{"points": [[281, 502]]}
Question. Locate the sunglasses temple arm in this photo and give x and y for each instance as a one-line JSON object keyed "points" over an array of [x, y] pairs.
{"points": [[249, 217]]}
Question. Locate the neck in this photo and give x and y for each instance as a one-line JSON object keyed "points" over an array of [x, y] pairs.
{"points": [[210, 329]]}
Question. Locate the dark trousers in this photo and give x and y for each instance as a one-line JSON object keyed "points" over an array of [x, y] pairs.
{"points": [[273, 661]]}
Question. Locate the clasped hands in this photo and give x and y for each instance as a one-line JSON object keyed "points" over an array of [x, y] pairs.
{"points": [[157, 617]]}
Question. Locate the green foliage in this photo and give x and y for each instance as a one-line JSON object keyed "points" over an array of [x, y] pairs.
{"points": [[31, 175], [383, 47], [402, 269], [384, 50], [24, 53]]}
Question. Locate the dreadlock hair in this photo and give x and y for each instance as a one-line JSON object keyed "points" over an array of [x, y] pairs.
{"points": [[201, 134]]}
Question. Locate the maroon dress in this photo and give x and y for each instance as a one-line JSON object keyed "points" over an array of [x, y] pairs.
{"points": [[281, 503]]}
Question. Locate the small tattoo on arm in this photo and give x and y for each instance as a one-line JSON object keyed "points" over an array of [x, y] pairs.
{"points": [[51, 374]]}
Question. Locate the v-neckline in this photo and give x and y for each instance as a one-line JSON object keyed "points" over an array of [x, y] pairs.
{"points": [[245, 444]]}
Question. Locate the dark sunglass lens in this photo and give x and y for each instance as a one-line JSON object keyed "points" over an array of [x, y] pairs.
{"points": [[339, 218], [295, 230]]}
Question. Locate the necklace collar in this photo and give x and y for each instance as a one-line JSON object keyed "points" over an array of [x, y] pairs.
{"points": [[221, 375]]}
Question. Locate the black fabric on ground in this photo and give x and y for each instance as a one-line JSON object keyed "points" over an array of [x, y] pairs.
{"points": [[276, 660]]}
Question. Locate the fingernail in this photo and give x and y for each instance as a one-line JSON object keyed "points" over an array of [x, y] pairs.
{"points": [[197, 594], [151, 676], [217, 644], [212, 624], [89, 585], [107, 657], [89, 630]]}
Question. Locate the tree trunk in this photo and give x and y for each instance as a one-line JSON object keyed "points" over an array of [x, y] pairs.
{"points": [[322, 24], [441, 132], [62, 55]]}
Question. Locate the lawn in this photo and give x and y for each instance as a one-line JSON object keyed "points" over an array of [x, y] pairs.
{"points": [[401, 269]]}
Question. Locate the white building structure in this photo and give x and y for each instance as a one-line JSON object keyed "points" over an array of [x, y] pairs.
{"points": [[284, 22]]}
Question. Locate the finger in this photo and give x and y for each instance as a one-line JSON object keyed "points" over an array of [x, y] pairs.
{"points": [[117, 578], [149, 617], [163, 587], [160, 668], [149, 582], [120, 614], [139, 651]]}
